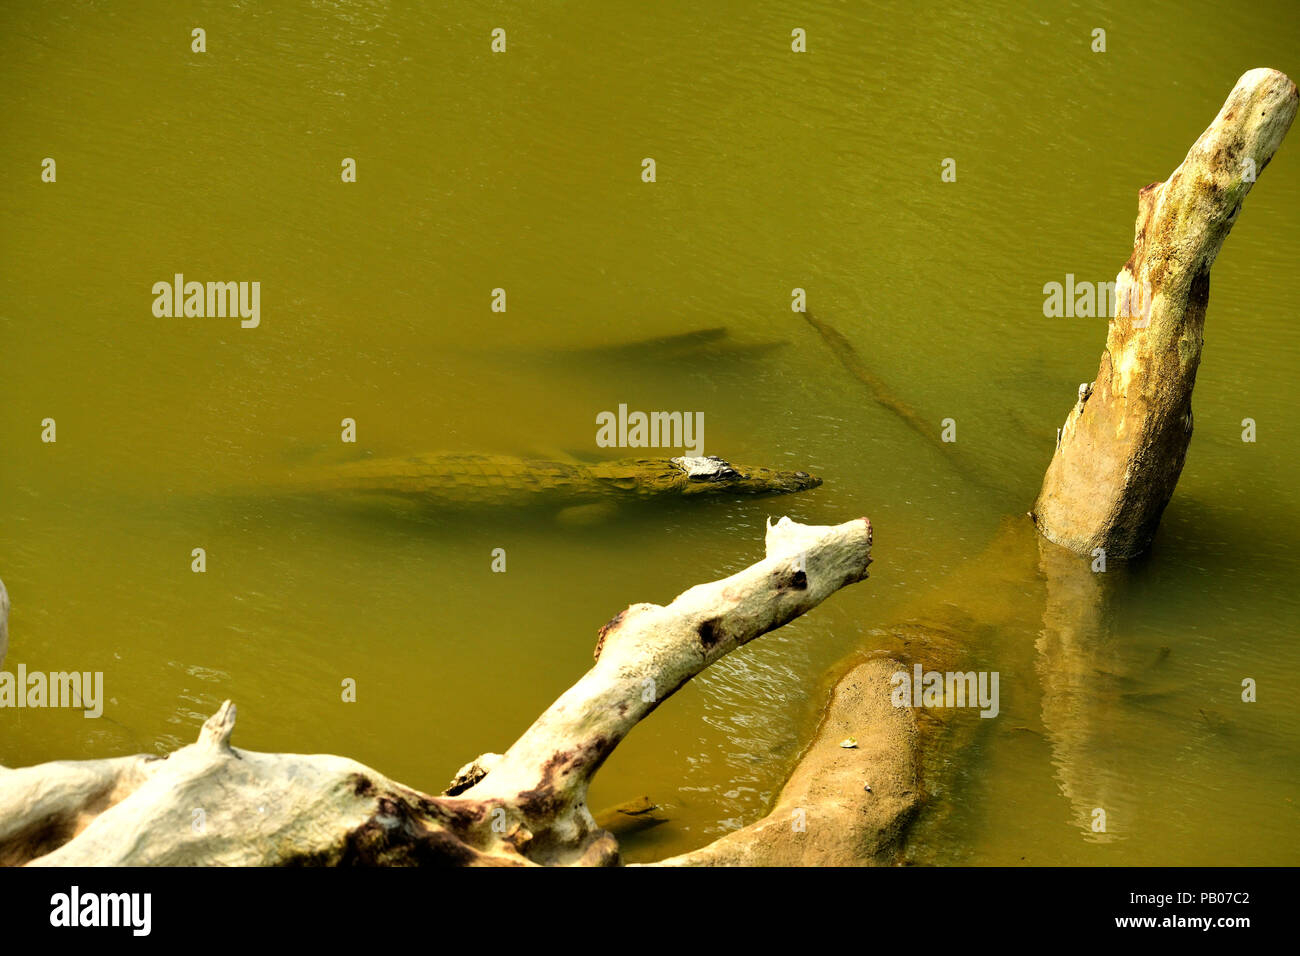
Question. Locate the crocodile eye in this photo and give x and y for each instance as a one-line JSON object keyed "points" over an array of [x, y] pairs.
{"points": [[801, 474]]}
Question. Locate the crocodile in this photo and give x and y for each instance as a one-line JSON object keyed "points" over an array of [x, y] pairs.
{"points": [[450, 482]]}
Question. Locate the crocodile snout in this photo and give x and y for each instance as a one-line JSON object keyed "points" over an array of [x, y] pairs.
{"points": [[802, 481]]}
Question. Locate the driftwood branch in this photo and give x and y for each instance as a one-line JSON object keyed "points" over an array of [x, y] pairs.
{"points": [[1122, 447], [212, 804]]}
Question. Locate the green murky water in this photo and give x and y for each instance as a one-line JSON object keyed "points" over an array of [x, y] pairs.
{"points": [[523, 171]]}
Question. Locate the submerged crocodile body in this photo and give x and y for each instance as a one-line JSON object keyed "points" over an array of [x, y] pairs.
{"points": [[463, 481]]}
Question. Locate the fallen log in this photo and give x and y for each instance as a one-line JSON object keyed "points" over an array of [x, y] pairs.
{"points": [[843, 805], [1122, 447], [856, 805], [212, 804]]}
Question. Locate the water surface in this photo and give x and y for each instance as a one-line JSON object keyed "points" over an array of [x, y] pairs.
{"points": [[522, 171]]}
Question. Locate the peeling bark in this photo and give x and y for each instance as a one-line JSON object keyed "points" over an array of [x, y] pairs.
{"points": [[1122, 447]]}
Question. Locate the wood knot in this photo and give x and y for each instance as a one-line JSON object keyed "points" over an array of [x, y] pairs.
{"points": [[710, 633], [606, 629]]}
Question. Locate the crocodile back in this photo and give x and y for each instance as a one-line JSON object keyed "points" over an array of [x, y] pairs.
{"points": [[462, 480]]}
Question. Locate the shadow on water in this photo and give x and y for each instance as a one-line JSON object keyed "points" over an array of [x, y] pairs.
{"points": [[711, 349], [386, 517]]}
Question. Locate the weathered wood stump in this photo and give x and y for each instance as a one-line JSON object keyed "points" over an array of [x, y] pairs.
{"points": [[1123, 445]]}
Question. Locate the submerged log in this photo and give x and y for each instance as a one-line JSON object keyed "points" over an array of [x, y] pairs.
{"points": [[1122, 447], [848, 356], [884, 396], [211, 804], [856, 805], [844, 805]]}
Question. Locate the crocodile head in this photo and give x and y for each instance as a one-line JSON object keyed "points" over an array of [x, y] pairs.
{"points": [[713, 475]]}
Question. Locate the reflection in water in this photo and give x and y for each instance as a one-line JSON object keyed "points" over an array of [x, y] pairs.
{"points": [[1079, 666], [758, 738]]}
